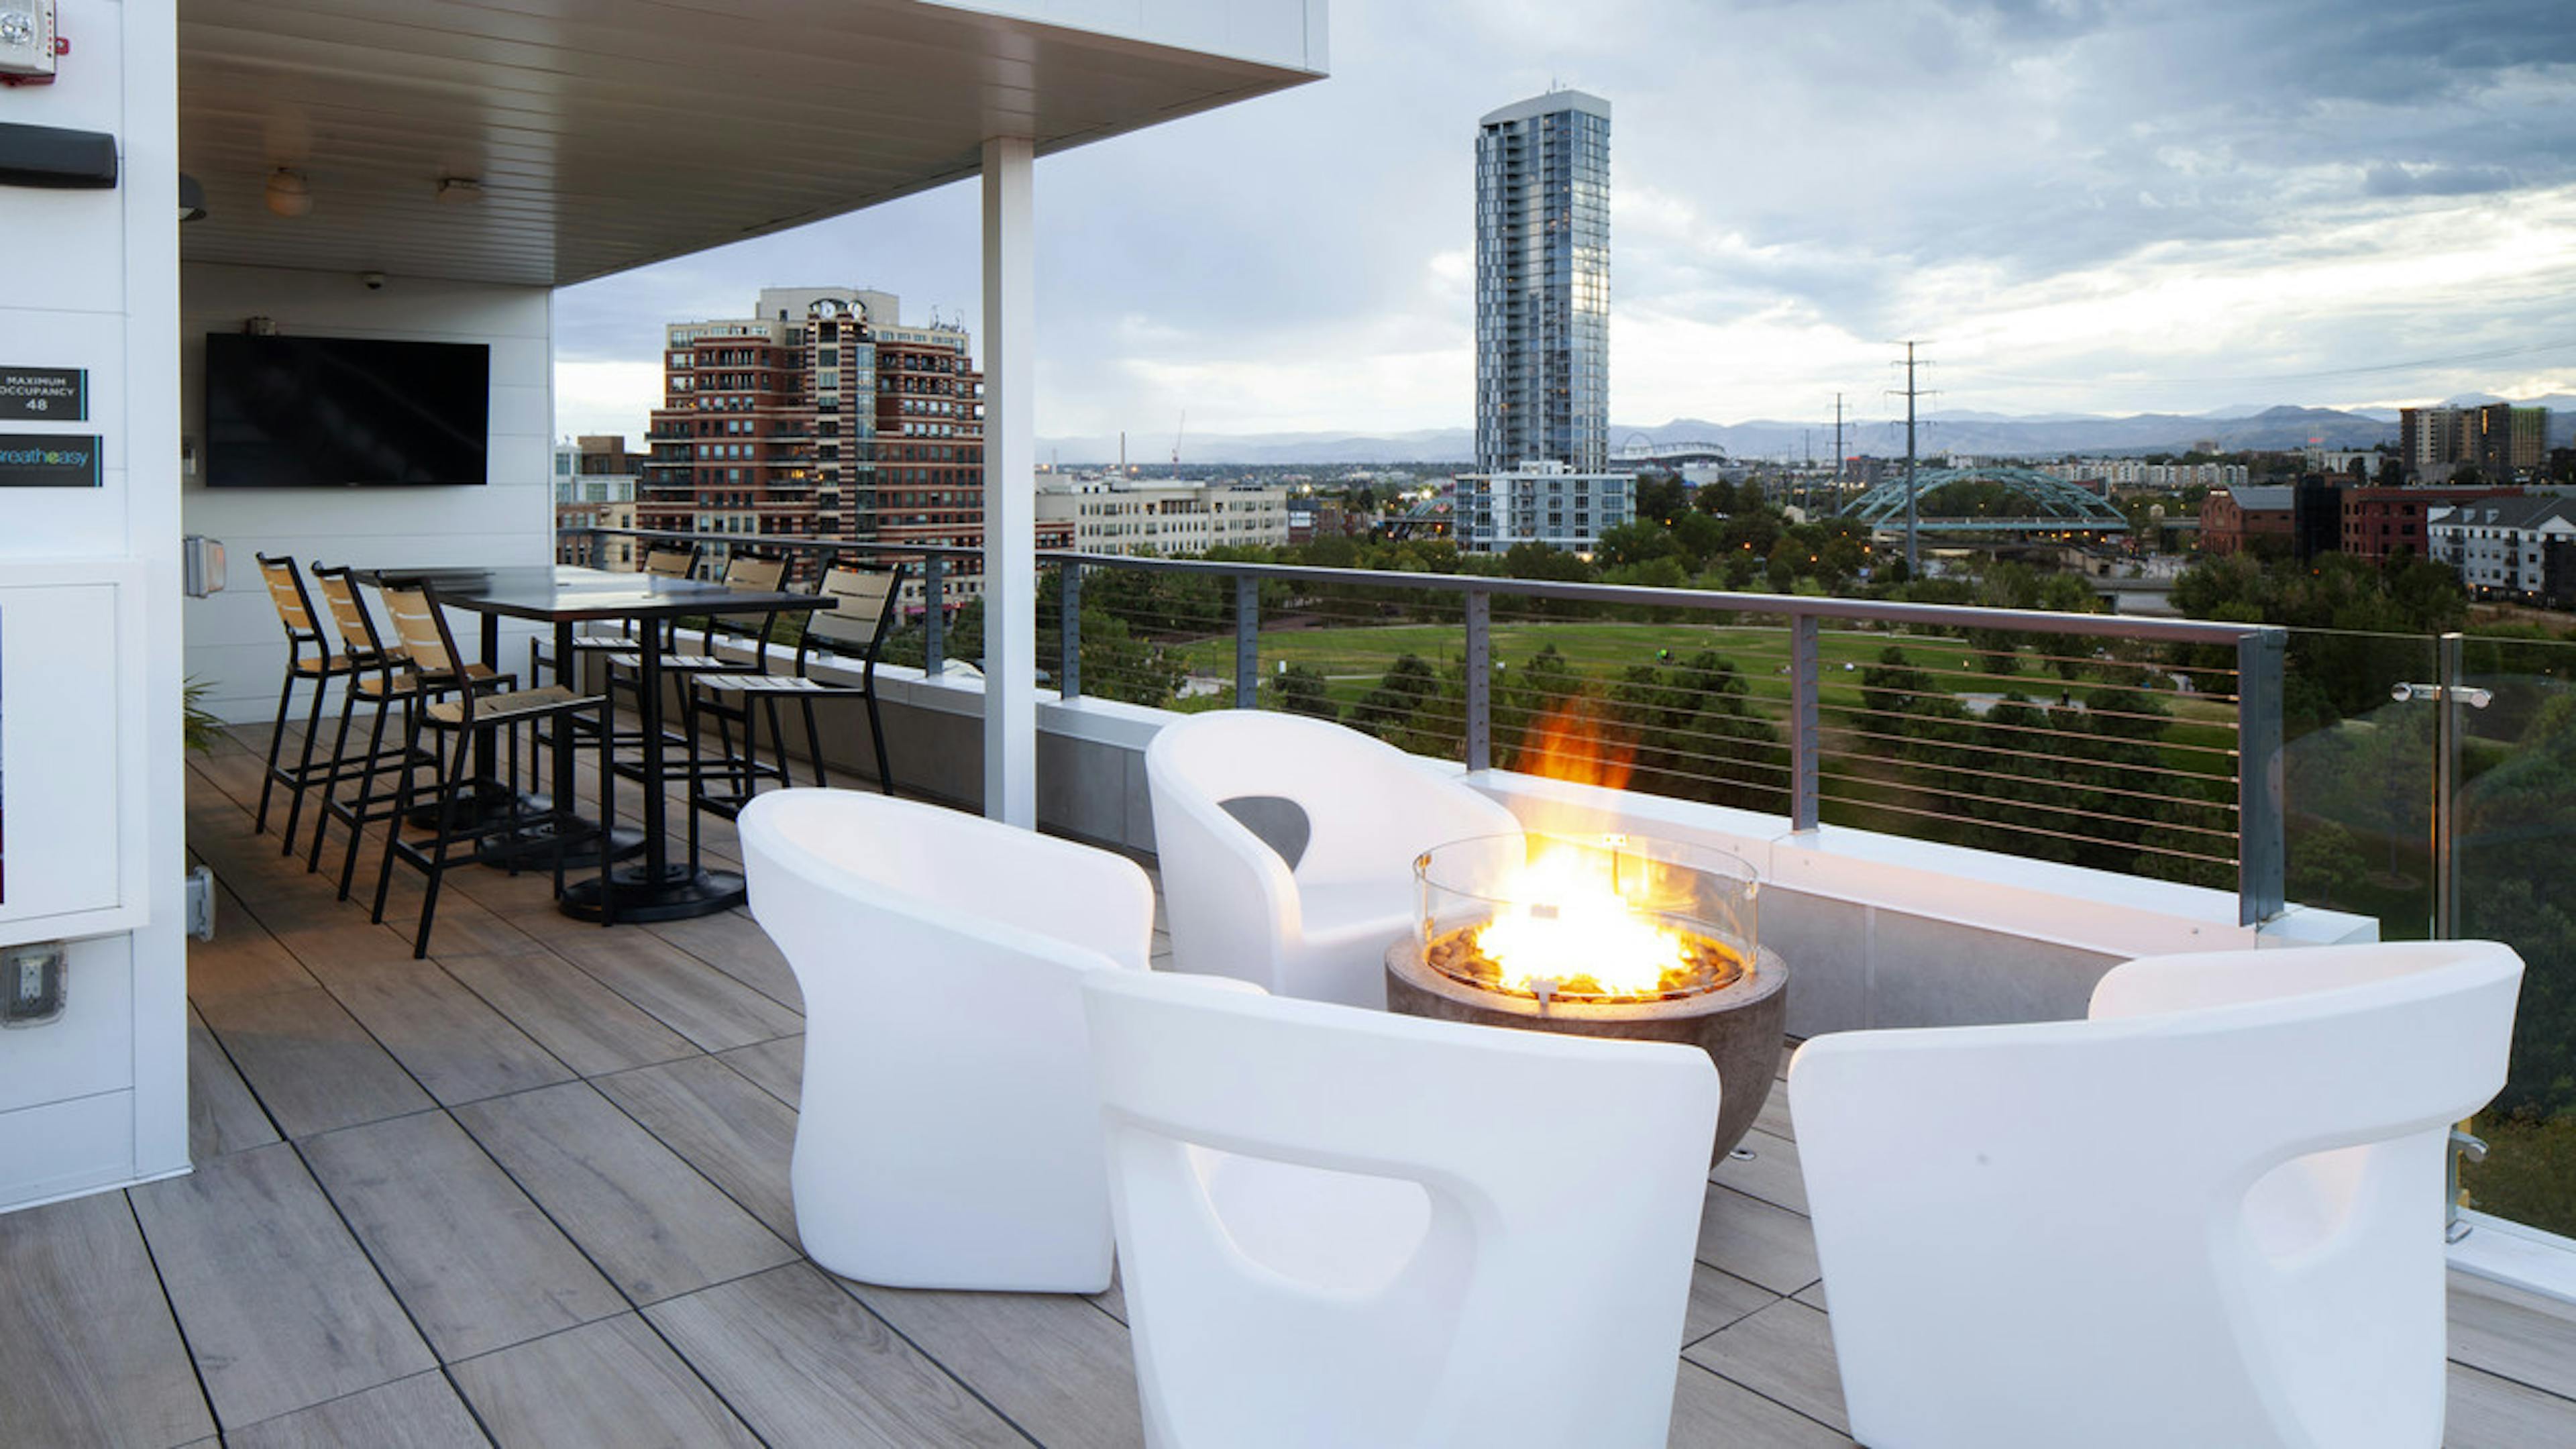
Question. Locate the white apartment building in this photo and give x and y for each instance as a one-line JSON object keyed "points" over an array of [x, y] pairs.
{"points": [[1541, 501], [1165, 516], [2127, 473], [586, 497], [2501, 545]]}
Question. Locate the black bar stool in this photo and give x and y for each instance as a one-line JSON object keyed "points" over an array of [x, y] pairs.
{"points": [[295, 611], [857, 627], [448, 708]]}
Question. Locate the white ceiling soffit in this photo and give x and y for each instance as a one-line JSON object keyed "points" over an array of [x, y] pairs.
{"points": [[606, 134]]}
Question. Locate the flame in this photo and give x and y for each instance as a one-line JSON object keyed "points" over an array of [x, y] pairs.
{"points": [[1583, 914], [1568, 743], [1582, 918]]}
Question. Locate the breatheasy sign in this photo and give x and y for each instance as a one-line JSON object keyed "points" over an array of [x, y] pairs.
{"points": [[44, 394], [49, 460]]}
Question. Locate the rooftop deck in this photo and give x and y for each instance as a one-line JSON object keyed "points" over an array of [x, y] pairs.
{"points": [[535, 1191]]}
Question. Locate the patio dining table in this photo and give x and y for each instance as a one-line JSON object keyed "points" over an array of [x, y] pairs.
{"points": [[652, 886]]}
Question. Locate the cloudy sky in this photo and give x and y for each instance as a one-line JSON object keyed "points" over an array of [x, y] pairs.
{"points": [[2084, 205]]}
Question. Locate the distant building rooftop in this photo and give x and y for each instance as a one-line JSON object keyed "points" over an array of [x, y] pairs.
{"points": [[2268, 499], [1548, 104]]}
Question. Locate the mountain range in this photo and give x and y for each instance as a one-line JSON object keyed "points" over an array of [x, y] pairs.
{"points": [[1980, 434]]}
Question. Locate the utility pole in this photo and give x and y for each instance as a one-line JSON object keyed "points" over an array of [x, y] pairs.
{"points": [[1913, 557], [1839, 455]]}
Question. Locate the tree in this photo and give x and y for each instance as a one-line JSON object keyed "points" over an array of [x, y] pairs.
{"points": [[1695, 736], [1298, 689], [1636, 543], [1401, 709], [1661, 498], [2326, 868]]}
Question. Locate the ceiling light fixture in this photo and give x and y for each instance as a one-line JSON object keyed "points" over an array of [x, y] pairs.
{"points": [[459, 190], [288, 195]]}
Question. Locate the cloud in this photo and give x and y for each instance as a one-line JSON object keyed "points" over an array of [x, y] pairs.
{"points": [[2435, 180], [2084, 205]]}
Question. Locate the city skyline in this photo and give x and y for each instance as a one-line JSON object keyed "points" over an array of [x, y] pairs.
{"points": [[2085, 210]]}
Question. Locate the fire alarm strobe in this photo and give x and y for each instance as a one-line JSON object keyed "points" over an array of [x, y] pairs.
{"points": [[28, 43]]}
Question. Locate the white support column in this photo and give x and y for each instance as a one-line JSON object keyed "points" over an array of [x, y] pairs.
{"points": [[1010, 485]]}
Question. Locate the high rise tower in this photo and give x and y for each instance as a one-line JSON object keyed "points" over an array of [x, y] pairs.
{"points": [[1543, 283]]}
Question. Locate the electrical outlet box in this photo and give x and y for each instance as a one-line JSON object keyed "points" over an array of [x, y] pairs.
{"points": [[27, 39], [31, 983]]}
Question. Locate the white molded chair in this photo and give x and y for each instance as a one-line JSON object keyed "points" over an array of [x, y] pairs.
{"points": [[1318, 929], [1344, 1227], [2211, 1213], [948, 1137]]}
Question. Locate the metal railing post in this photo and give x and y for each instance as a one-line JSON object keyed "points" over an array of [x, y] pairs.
{"points": [[1068, 675], [1806, 690], [1480, 680], [2260, 850], [934, 616], [1247, 642], [2449, 686]]}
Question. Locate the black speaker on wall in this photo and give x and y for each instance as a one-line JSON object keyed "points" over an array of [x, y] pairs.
{"points": [[56, 157]]}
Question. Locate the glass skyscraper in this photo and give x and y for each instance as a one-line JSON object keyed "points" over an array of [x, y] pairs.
{"points": [[1543, 283]]}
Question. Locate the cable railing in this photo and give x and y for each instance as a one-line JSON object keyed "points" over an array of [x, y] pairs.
{"points": [[2143, 746]]}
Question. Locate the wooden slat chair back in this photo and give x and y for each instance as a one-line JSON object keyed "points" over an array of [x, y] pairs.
{"points": [[286, 591], [755, 575], [671, 563], [423, 632], [863, 600], [751, 576], [359, 637]]}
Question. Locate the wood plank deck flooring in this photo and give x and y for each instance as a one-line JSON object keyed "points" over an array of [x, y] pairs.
{"points": [[533, 1191]]}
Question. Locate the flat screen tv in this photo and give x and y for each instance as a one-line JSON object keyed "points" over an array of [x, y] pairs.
{"points": [[344, 412]]}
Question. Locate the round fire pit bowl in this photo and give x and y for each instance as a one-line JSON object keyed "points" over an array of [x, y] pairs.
{"points": [[1739, 1025], [1531, 933]]}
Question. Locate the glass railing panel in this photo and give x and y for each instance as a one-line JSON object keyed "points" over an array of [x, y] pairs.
{"points": [[2357, 777], [2514, 843]]}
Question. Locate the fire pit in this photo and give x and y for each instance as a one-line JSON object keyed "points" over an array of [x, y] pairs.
{"points": [[1610, 935]]}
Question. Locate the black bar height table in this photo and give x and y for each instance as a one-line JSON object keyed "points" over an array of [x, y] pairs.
{"points": [[652, 887]]}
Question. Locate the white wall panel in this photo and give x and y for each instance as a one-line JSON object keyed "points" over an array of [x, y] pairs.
{"points": [[89, 606], [234, 643], [73, 1146], [89, 1048]]}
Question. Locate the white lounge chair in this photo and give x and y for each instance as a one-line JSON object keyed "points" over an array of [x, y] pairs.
{"points": [[948, 1137], [1309, 911], [1345, 1227], [2209, 1214]]}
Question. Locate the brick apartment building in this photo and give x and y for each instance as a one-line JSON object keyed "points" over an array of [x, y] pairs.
{"points": [[822, 416], [2233, 519], [2379, 521]]}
